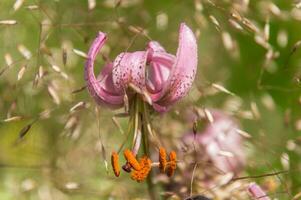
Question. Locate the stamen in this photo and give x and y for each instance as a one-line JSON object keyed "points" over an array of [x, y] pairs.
{"points": [[140, 175], [172, 163], [135, 88], [129, 156], [137, 142], [162, 159], [155, 164], [115, 164], [147, 97]]}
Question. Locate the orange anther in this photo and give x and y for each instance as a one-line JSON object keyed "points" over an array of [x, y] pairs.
{"points": [[115, 164], [140, 175], [172, 163], [162, 159], [129, 156]]}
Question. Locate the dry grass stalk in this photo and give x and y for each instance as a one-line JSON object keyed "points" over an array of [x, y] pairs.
{"points": [[8, 22], [53, 93], [8, 59], [80, 53], [12, 119], [18, 4], [91, 4], [24, 51], [21, 72], [80, 105], [222, 89]]}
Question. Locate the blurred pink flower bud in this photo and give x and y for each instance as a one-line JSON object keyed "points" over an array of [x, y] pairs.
{"points": [[257, 193], [220, 142], [165, 78]]}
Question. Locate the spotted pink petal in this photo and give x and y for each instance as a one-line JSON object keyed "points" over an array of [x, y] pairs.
{"points": [[106, 80], [130, 68], [101, 89], [184, 68], [164, 77]]}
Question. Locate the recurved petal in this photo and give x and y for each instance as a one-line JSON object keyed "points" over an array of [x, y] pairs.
{"points": [[101, 89], [184, 68], [106, 81], [130, 68], [155, 46]]}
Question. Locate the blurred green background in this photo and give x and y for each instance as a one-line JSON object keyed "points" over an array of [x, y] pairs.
{"points": [[248, 47]]}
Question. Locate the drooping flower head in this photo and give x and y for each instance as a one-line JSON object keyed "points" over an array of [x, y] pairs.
{"points": [[162, 77], [159, 78]]}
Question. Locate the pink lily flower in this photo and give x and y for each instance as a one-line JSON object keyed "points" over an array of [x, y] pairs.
{"points": [[162, 77], [221, 136]]}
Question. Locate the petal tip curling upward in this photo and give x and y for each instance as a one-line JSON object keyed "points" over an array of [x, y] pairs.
{"points": [[184, 68]]}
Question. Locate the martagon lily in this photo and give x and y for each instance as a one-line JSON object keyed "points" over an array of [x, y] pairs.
{"points": [[160, 77], [153, 76]]}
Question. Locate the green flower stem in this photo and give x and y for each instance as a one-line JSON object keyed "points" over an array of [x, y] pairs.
{"points": [[152, 189], [131, 126]]}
